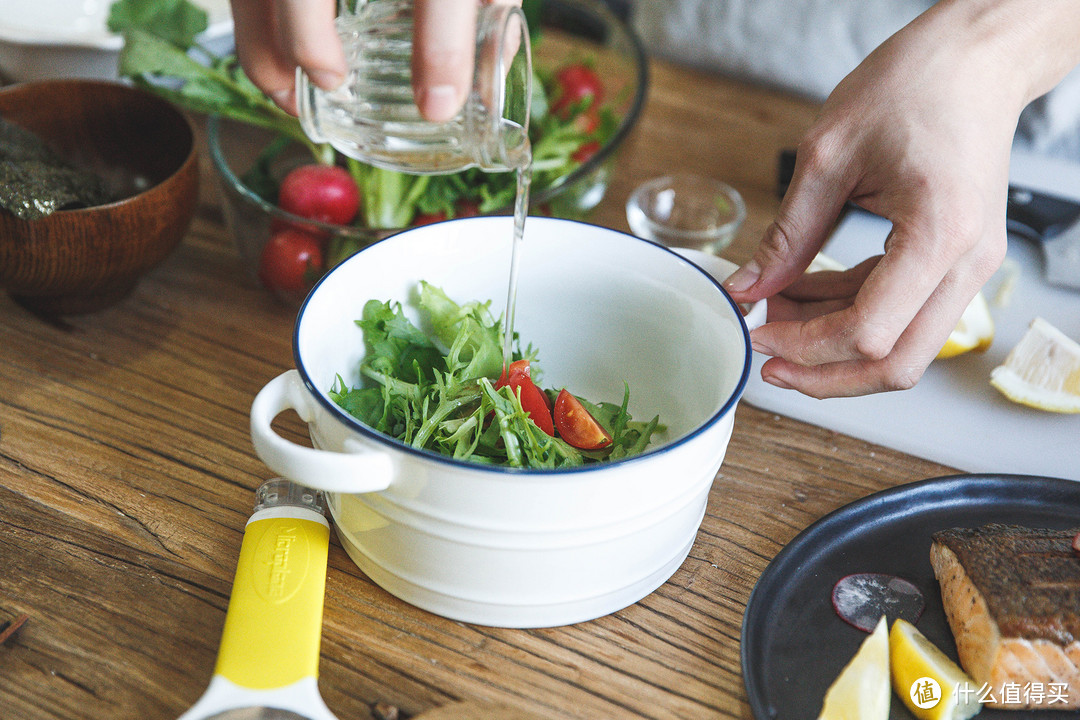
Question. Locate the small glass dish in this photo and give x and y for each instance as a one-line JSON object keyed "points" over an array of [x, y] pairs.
{"points": [[686, 211]]}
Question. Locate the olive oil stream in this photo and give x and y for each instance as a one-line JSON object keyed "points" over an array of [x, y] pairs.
{"points": [[521, 210]]}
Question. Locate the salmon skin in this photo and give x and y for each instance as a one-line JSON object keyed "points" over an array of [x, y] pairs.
{"points": [[1012, 599]]}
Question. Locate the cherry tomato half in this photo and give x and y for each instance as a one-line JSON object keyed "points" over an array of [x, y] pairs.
{"points": [[586, 151], [575, 83], [290, 260], [326, 193], [588, 120], [533, 400], [576, 426]]}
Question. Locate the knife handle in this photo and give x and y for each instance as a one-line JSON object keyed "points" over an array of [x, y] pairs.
{"points": [[1038, 216]]}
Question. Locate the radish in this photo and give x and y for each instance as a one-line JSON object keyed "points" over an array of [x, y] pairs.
{"points": [[861, 599]]}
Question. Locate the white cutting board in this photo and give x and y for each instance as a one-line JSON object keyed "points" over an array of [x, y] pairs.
{"points": [[953, 416]]}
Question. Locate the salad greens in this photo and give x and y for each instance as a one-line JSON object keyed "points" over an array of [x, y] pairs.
{"points": [[439, 391], [161, 53]]}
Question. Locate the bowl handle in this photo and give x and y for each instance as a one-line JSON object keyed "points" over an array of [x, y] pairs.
{"points": [[360, 470], [720, 269]]}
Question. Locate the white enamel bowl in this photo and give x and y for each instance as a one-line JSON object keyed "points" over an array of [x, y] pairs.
{"points": [[524, 548]]}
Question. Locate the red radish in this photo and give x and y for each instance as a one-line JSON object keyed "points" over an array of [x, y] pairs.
{"points": [[861, 599], [326, 193], [290, 260]]}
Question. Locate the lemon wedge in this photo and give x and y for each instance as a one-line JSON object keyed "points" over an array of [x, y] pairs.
{"points": [[862, 691], [931, 685], [822, 261], [1042, 370], [974, 331]]}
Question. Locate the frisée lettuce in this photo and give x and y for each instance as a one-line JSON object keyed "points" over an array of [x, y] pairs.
{"points": [[441, 390]]}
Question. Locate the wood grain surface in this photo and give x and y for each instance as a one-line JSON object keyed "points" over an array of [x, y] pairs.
{"points": [[127, 473]]}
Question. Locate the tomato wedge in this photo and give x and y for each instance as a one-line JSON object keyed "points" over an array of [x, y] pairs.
{"points": [[533, 400], [575, 83], [576, 426], [586, 151], [519, 370]]}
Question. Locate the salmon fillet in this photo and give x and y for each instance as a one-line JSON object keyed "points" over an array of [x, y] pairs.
{"points": [[1012, 599]]}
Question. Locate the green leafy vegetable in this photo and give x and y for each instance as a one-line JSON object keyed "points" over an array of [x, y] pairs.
{"points": [[436, 391], [176, 21]]}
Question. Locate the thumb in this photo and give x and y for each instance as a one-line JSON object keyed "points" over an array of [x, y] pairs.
{"points": [[806, 216]]}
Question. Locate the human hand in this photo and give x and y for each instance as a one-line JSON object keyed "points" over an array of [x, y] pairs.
{"points": [[920, 133], [273, 37]]}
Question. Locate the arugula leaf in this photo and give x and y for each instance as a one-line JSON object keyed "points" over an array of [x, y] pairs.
{"points": [[524, 444], [628, 437], [444, 191], [366, 404], [397, 348], [473, 337], [437, 392]]}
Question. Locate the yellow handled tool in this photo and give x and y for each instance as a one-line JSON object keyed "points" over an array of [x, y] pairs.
{"points": [[268, 662]]}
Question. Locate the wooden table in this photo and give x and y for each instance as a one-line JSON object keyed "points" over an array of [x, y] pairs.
{"points": [[127, 473]]}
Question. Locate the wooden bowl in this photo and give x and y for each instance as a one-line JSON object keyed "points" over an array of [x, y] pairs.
{"points": [[83, 260]]}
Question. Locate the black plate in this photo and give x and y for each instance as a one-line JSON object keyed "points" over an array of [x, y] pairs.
{"points": [[793, 643]]}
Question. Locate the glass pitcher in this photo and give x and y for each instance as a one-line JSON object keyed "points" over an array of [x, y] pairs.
{"points": [[372, 116]]}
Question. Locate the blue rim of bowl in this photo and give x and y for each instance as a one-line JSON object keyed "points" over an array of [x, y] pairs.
{"points": [[353, 423], [627, 122]]}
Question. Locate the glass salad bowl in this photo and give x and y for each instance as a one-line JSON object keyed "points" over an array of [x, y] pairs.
{"points": [[572, 167]]}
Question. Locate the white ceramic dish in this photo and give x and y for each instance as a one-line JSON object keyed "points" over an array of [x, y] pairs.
{"points": [[524, 548], [46, 39]]}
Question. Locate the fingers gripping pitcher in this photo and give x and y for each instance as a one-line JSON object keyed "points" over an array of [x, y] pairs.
{"points": [[372, 116]]}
